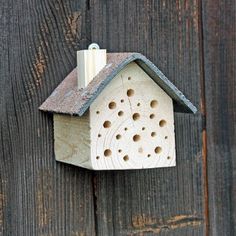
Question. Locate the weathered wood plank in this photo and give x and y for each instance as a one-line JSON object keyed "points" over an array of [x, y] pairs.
{"points": [[161, 201], [219, 33], [39, 196]]}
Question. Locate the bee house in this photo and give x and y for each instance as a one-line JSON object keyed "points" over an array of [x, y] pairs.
{"points": [[115, 111]]}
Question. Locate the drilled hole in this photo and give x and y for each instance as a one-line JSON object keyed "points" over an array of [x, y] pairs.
{"points": [[97, 157], [99, 135], [119, 150], [122, 100], [130, 92], [168, 157], [126, 158], [125, 128], [148, 155], [97, 112], [153, 134], [153, 103], [107, 124], [158, 150], [118, 136], [138, 104], [143, 128], [107, 153], [152, 116], [120, 113], [136, 116], [112, 105], [166, 137], [129, 78], [162, 123], [136, 138]]}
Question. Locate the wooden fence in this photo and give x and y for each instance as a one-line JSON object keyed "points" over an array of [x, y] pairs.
{"points": [[193, 43]]}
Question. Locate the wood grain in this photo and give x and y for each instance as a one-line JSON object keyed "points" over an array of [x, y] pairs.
{"points": [[39, 196], [219, 33], [150, 202]]}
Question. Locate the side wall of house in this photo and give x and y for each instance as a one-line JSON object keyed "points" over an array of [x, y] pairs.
{"points": [[132, 123], [72, 139]]}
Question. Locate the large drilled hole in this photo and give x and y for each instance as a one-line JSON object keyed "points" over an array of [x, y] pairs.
{"points": [[118, 136], [126, 158], [107, 124], [153, 134], [152, 116], [162, 123], [158, 150], [153, 103], [112, 105], [136, 138], [130, 92], [120, 113], [107, 153], [136, 116]]}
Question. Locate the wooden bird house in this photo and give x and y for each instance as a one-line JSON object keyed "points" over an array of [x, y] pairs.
{"points": [[115, 111]]}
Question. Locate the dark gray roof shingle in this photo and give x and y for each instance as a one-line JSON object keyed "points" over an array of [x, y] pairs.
{"points": [[68, 99]]}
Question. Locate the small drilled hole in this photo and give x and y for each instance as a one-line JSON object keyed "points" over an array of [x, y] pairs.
{"points": [[120, 113], [97, 112], [119, 150], [140, 150], [112, 105], [118, 136], [99, 135], [153, 134], [125, 128], [122, 100], [153, 103], [166, 137], [136, 138], [136, 116], [168, 157], [97, 157], [107, 124], [130, 92], [162, 123], [126, 158], [129, 78], [138, 104], [143, 128], [158, 150], [152, 116], [107, 153], [148, 155]]}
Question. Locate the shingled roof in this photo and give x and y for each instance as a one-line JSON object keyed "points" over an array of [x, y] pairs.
{"points": [[68, 99]]}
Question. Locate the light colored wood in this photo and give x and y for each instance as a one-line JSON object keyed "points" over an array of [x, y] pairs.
{"points": [[72, 139], [89, 63], [130, 125], [132, 101]]}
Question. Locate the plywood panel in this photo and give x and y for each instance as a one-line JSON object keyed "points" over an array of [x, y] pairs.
{"points": [[219, 33], [166, 201], [39, 196]]}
